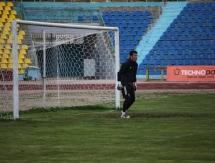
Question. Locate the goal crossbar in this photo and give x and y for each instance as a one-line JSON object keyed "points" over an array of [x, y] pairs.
{"points": [[72, 26]]}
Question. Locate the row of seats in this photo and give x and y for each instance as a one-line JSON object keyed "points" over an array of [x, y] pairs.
{"points": [[186, 44], [163, 62], [200, 5], [183, 37], [127, 20], [179, 55], [10, 60], [201, 24], [126, 13], [181, 51], [129, 26], [188, 32], [190, 21], [198, 10], [179, 48]]}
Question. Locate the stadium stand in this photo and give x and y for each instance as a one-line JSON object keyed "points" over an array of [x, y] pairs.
{"points": [[6, 57], [179, 33], [189, 40]]}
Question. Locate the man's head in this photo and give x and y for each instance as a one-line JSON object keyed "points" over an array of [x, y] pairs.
{"points": [[133, 55]]}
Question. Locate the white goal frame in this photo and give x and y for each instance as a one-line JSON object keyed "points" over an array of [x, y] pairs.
{"points": [[15, 55]]}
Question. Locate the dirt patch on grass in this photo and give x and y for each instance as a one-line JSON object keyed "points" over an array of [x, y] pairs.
{"points": [[142, 115]]}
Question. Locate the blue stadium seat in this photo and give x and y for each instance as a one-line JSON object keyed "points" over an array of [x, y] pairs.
{"points": [[187, 62], [209, 62], [180, 62]]}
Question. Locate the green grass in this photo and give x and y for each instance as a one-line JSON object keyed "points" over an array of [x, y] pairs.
{"points": [[165, 128]]}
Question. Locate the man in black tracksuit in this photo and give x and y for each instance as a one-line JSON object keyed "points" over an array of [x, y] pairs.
{"points": [[127, 82]]}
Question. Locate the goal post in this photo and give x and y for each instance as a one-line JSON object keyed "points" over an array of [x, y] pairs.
{"points": [[74, 65]]}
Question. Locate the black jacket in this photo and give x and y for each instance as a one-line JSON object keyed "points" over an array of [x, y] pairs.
{"points": [[127, 72]]}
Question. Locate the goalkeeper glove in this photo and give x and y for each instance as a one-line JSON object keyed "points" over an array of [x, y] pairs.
{"points": [[135, 86], [119, 87]]}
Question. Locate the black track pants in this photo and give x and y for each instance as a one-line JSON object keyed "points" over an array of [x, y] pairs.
{"points": [[129, 96]]}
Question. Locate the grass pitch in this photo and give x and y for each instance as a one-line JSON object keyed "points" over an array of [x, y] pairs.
{"points": [[164, 128]]}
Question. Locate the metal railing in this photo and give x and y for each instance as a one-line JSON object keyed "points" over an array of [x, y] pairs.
{"points": [[62, 14]]}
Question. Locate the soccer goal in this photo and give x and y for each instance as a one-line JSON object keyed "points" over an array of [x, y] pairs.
{"points": [[63, 65]]}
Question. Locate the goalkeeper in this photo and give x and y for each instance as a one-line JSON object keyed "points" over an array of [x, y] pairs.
{"points": [[127, 82]]}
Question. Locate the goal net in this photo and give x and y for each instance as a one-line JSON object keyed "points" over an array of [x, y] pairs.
{"points": [[62, 65]]}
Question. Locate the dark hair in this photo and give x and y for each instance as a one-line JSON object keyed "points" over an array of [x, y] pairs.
{"points": [[132, 52]]}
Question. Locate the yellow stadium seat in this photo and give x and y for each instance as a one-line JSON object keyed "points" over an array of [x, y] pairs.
{"points": [[21, 71], [10, 60], [2, 4], [10, 65], [3, 36], [2, 20], [19, 41], [12, 17], [5, 55], [1, 24], [4, 60], [13, 12], [9, 41], [19, 65], [6, 32], [24, 47], [1, 51], [6, 12], [7, 51], [2, 41], [1, 47], [24, 65], [4, 16], [9, 20], [22, 51], [8, 47], [7, 24], [10, 4], [27, 60], [3, 65], [20, 60], [20, 37], [7, 28], [7, 8], [21, 56], [21, 32], [1, 8], [10, 55]]}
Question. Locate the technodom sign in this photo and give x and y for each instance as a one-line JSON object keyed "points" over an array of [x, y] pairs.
{"points": [[191, 73]]}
